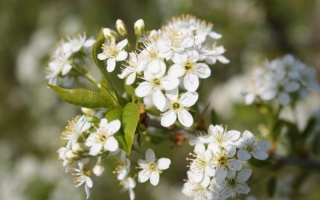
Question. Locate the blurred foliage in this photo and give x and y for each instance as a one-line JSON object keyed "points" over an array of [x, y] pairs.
{"points": [[252, 31]]}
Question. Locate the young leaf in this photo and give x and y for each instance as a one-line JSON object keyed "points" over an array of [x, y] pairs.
{"points": [[153, 111], [83, 98], [130, 119], [113, 115], [271, 186]]}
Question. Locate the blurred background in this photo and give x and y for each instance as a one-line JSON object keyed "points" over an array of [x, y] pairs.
{"points": [[32, 117]]}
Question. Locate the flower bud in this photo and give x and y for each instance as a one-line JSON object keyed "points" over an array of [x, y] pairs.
{"points": [[88, 111], [110, 34], [79, 148], [121, 28], [72, 156], [98, 170], [139, 27]]}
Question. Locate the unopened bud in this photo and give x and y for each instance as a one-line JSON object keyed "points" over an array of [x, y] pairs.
{"points": [[72, 156], [98, 170], [121, 28], [79, 148], [88, 111], [139, 27], [110, 34]]}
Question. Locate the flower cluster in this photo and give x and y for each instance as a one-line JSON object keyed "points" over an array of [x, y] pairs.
{"points": [[69, 59], [286, 79], [171, 59], [85, 140], [216, 168]]}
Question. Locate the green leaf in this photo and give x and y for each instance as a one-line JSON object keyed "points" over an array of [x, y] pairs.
{"points": [[96, 50], [153, 111], [130, 91], [214, 117], [130, 119], [113, 115], [310, 126], [271, 186], [83, 98]]}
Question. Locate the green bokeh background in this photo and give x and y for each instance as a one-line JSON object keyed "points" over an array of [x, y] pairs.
{"points": [[32, 117]]}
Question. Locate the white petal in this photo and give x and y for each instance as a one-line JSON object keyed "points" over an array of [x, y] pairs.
{"points": [[233, 135], [264, 145], [131, 78], [176, 70], [249, 98], [169, 82], [292, 86], [143, 176], [113, 126], [168, 118], [268, 95], [243, 155], [185, 118], [122, 44], [188, 99], [66, 69], [230, 151], [221, 172], [260, 155], [111, 144], [244, 189], [223, 59], [102, 56], [199, 149], [156, 66], [143, 89], [215, 35], [244, 175], [95, 149], [142, 163], [191, 82], [154, 178], [89, 182], [248, 137], [159, 99], [86, 188], [111, 64], [150, 156], [163, 163], [122, 55], [210, 171], [235, 165], [131, 194], [284, 98], [202, 70]]}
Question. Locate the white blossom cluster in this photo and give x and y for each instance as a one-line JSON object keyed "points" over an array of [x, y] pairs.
{"points": [[86, 142], [170, 63], [285, 79], [216, 168], [73, 53]]}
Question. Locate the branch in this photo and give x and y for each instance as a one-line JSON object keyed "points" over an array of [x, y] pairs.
{"points": [[283, 160], [303, 162]]}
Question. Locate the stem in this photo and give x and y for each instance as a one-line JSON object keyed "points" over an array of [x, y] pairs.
{"points": [[92, 79], [137, 43]]}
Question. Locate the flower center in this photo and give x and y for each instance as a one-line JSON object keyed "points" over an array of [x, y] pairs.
{"points": [[175, 106], [232, 182], [156, 81], [188, 66], [222, 160], [152, 166]]}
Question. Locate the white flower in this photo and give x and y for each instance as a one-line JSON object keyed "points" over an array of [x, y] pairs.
{"points": [[128, 184], [62, 156], [153, 84], [197, 190], [187, 66], [136, 64], [200, 163], [234, 184], [223, 159], [178, 107], [82, 176], [219, 50], [74, 129], [152, 169], [79, 41], [249, 147], [113, 52], [123, 166], [56, 68], [103, 137], [219, 137]]}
